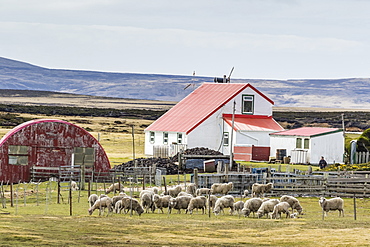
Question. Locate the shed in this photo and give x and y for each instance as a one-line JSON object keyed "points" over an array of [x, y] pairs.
{"points": [[307, 144], [48, 143]]}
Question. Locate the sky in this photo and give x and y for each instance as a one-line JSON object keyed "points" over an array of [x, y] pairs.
{"points": [[261, 39]]}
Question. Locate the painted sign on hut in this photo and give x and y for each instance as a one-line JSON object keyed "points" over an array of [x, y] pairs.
{"points": [[48, 143]]}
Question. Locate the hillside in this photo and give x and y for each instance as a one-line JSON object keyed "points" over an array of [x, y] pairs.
{"points": [[338, 93]]}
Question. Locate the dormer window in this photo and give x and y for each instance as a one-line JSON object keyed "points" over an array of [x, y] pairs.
{"points": [[248, 103]]}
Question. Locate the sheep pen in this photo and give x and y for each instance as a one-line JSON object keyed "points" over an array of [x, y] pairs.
{"points": [[211, 230]]}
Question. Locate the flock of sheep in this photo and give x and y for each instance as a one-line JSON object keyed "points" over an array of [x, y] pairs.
{"points": [[203, 198]]}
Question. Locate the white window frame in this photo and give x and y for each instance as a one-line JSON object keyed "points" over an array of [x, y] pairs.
{"points": [[250, 99]]}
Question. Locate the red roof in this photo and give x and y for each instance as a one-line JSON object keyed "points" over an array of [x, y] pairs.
{"points": [[253, 122], [307, 131], [198, 106]]}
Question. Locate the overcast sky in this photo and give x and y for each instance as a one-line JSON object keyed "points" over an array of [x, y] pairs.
{"points": [[262, 39]]}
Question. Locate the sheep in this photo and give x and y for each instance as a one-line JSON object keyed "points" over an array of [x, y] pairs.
{"points": [[199, 202], [146, 191], [336, 203], [212, 201], [191, 189], [118, 198], [258, 189], [251, 206], [101, 204], [92, 199], [173, 192], [183, 193], [180, 202], [293, 202], [245, 193], [221, 188], [74, 186], [147, 202], [281, 207], [115, 187], [224, 202], [267, 207], [202, 191], [132, 204], [238, 206], [118, 207], [161, 202]]}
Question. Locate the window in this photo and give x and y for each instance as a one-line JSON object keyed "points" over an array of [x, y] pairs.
{"points": [[18, 155], [306, 143], [165, 138], [298, 143], [248, 102], [152, 136], [226, 138], [179, 138]]}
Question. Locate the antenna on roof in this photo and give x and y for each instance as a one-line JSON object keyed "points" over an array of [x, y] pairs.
{"points": [[224, 79], [192, 82]]}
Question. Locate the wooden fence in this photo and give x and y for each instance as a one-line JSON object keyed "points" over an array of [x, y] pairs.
{"points": [[330, 184], [362, 157]]}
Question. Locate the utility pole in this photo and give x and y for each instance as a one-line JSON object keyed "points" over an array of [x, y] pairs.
{"points": [[133, 142], [231, 139]]}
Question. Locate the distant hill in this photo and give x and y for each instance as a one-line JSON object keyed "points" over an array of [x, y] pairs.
{"points": [[337, 93]]}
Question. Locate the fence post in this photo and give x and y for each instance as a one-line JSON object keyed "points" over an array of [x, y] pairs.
{"points": [[11, 195], [354, 207], [70, 198], [196, 181]]}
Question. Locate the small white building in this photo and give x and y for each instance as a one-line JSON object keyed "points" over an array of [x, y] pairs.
{"points": [[205, 118], [306, 145]]}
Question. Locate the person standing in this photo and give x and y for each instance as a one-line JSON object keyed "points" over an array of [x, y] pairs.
{"points": [[322, 163]]}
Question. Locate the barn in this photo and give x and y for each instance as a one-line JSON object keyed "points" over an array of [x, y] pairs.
{"points": [[307, 144], [48, 143]]}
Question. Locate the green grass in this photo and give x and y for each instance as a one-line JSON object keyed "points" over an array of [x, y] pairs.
{"points": [[50, 224]]}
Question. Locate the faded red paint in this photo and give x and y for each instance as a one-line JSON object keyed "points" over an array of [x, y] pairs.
{"points": [[50, 144], [249, 153]]}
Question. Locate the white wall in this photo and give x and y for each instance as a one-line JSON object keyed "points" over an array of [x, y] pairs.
{"points": [[172, 137], [330, 146]]}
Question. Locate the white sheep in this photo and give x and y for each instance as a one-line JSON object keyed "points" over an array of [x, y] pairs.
{"points": [[238, 206], [173, 192], [258, 189], [202, 191], [101, 204], [74, 186], [267, 207], [183, 193], [92, 199], [118, 207], [224, 202], [245, 193], [191, 189], [161, 202], [115, 187], [251, 206], [147, 201], [293, 202], [221, 188], [212, 201], [129, 203], [336, 203], [199, 202], [180, 202], [281, 207], [118, 198]]}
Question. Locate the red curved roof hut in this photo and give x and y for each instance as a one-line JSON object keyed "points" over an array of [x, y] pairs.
{"points": [[48, 143]]}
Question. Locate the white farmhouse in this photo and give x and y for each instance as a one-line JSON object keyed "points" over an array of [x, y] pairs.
{"points": [[205, 118], [307, 145]]}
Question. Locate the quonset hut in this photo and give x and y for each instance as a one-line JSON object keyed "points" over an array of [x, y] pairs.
{"points": [[48, 143]]}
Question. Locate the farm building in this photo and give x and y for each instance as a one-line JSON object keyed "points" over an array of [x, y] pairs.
{"points": [[205, 118], [307, 145], [48, 144]]}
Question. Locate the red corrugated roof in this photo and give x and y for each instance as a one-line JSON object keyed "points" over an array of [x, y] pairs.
{"points": [[307, 131], [253, 122], [198, 106]]}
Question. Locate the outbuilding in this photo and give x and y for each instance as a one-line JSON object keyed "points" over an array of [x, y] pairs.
{"points": [[48, 143], [307, 145]]}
